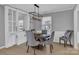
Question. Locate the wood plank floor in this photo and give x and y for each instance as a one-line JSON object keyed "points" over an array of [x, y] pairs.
{"points": [[21, 50]]}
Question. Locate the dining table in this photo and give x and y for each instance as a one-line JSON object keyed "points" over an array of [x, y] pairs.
{"points": [[37, 36]]}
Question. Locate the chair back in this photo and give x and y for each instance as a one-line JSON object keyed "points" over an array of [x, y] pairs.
{"points": [[68, 34], [50, 41], [52, 35], [32, 29], [44, 31], [31, 39]]}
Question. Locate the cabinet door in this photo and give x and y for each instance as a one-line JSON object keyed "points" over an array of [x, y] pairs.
{"points": [[10, 26], [20, 33], [12, 20]]}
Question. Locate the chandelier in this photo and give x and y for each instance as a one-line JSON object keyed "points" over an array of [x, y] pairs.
{"points": [[35, 13]]}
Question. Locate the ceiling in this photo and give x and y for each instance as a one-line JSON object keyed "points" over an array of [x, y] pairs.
{"points": [[44, 8]]}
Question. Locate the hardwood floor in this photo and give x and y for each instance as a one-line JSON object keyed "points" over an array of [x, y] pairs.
{"points": [[21, 50]]}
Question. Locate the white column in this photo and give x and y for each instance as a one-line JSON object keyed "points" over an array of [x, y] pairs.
{"points": [[75, 27], [75, 30]]}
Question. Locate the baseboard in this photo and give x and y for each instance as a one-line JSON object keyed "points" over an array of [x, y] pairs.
{"points": [[21, 43], [2, 47], [63, 44], [78, 37]]}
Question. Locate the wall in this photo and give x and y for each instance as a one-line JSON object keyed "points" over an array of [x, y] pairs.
{"points": [[78, 21], [62, 21], [2, 28], [78, 26]]}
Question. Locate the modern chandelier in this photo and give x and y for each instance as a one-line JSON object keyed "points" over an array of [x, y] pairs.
{"points": [[35, 13]]}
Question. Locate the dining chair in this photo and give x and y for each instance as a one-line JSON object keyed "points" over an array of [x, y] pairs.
{"points": [[50, 41], [66, 37], [45, 35], [31, 42], [44, 31]]}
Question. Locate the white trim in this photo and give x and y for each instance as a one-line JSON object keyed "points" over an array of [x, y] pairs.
{"points": [[75, 28], [55, 11], [2, 47], [78, 37], [59, 34], [20, 43]]}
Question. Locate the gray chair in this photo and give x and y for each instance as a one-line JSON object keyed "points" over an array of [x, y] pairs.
{"points": [[50, 41], [31, 42], [32, 29], [44, 31], [66, 37], [45, 35]]}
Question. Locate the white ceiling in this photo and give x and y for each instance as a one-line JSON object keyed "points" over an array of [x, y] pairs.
{"points": [[44, 8]]}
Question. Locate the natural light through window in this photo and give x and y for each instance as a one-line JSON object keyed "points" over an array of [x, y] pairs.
{"points": [[46, 24]]}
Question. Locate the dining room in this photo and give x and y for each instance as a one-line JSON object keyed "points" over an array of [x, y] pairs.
{"points": [[47, 28]]}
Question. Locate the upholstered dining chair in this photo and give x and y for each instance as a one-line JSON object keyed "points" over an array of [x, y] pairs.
{"points": [[44, 31], [66, 37], [49, 41], [31, 42], [45, 35]]}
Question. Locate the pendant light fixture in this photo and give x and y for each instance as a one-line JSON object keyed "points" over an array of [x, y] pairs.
{"points": [[35, 13]]}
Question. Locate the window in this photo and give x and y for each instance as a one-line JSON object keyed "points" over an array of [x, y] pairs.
{"points": [[46, 24]]}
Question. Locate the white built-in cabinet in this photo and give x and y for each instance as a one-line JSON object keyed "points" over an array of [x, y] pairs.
{"points": [[21, 24], [10, 26], [14, 25]]}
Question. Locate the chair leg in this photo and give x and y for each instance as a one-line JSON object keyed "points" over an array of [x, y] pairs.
{"points": [[51, 47], [70, 42], [34, 52], [27, 49], [59, 41], [26, 43], [65, 43]]}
